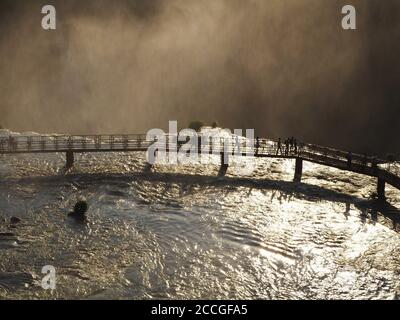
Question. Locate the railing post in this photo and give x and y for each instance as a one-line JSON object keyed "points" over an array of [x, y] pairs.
{"points": [[11, 143], [224, 160], [139, 142], [29, 142], [97, 142], [125, 141], [70, 142], [56, 142], [83, 142], [381, 189], [42, 143], [70, 159], [298, 171]]}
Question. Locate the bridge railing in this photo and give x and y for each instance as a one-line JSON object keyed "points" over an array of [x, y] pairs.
{"points": [[361, 159], [208, 144], [60, 143], [392, 167], [364, 163]]}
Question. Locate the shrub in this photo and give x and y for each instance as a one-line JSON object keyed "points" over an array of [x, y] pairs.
{"points": [[81, 207], [196, 125]]}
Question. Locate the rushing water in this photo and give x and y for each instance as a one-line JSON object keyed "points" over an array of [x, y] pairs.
{"points": [[183, 232]]}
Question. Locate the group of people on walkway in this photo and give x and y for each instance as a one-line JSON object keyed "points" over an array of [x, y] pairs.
{"points": [[289, 146]]}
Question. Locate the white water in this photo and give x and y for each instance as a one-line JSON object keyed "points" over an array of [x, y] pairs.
{"points": [[182, 232]]}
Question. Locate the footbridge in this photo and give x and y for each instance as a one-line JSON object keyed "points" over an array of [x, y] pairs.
{"points": [[384, 171]]}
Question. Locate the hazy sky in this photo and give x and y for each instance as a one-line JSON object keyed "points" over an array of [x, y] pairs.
{"points": [[282, 67]]}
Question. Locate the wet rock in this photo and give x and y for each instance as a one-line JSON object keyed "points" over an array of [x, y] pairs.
{"points": [[80, 210], [81, 207]]}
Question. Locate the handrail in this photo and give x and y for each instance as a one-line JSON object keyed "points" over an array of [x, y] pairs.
{"points": [[209, 143]]}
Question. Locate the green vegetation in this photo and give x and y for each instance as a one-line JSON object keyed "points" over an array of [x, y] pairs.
{"points": [[196, 125], [214, 124]]}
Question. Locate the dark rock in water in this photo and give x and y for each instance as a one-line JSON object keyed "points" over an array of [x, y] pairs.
{"points": [[6, 234], [81, 207], [16, 280], [80, 210], [15, 220]]}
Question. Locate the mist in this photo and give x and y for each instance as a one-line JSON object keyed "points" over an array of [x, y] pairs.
{"points": [[282, 67]]}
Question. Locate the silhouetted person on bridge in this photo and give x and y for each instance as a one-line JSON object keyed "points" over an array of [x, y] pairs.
{"points": [[257, 144], [291, 143], [237, 144], [374, 163], [287, 145], [365, 160], [349, 159], [279, 147]]}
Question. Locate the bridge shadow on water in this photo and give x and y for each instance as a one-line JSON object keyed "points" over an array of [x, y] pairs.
{"points": [[374, 210]]}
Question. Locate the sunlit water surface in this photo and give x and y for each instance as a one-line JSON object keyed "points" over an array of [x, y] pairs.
{"points": [[183, 232]]}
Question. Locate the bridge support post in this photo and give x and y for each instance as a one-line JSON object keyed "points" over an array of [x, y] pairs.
{"points": [[224, 163], [381, 189], [298, 171], [224, 159], [70, 159]]}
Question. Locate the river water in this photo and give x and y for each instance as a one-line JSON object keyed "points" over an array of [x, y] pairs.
{"points": [[183, 232]]}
